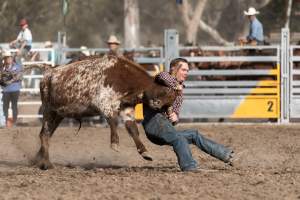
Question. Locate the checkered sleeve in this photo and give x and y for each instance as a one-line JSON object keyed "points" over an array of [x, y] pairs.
{"points": [[166, 79], [177, 104]]}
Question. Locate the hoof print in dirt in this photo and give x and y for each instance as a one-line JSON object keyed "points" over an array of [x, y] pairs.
{"points": [[146, 156], [44, 165]]}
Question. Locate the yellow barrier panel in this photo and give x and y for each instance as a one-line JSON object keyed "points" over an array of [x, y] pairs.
{"points": [[264, 105], [138, 112], [255, 107]]}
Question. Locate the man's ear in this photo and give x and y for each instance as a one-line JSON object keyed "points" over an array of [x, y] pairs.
{"points": [[173, 71]]}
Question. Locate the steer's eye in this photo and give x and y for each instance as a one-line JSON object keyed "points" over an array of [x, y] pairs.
{"points": [[157, 102]]}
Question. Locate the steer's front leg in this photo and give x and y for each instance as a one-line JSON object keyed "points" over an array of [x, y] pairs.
{"points": [[114, 137]]}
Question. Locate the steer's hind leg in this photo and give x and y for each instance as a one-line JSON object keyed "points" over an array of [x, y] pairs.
{"points": [[133, 131], [127, 115], [50, 123], [114, 137]]}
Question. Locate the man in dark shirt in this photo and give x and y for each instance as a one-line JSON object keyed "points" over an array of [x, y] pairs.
{"points": [[159, 128]]}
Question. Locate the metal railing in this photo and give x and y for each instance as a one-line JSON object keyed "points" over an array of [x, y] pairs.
{"points": [[278, 95], [232, 88], [30, 81]]}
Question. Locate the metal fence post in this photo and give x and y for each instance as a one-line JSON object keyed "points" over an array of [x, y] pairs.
{"points": [[62, 43], [285, 76], [171, 46]]}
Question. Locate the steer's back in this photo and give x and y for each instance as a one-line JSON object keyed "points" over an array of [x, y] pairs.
{"points": [[74, 89]]}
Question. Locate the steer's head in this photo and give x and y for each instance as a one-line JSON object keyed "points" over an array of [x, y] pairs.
{"points": [[5, 77], [159, 96]]}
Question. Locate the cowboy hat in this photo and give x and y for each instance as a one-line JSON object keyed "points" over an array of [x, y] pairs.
{"points": [[48, 44], [6, 54], [85, 51], [113, 40], [251, 11]]}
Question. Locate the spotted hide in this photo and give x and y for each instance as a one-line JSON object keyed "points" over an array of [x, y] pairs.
{"points": [[91, 87]]}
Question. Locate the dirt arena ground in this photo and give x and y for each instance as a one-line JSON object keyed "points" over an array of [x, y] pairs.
{"points": [[86, 168]]}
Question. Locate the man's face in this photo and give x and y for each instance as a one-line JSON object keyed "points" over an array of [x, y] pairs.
{"points": [[8, 60], [182, 72], [23, 27], [113, 46], [251, 17]]}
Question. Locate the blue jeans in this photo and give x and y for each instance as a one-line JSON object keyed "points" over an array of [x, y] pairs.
{"points": [[160, 131]]}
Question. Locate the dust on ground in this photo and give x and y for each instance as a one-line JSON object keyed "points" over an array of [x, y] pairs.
{"points": [[86, 167]]}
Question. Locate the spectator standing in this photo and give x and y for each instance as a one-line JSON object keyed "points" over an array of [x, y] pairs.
{"points": [[23, 42], [11, 91], [256, 34], [113, 45]]}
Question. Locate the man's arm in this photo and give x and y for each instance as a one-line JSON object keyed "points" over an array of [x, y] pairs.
{"points": [[166, 79], [173, 111], [16, 40], [16, 75]]}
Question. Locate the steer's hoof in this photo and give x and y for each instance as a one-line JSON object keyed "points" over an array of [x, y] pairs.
{"points": [[115, 147], [45, 165], [146, 156]]}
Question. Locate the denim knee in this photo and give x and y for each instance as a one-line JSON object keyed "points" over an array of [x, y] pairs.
{"points": [[183, 152]]}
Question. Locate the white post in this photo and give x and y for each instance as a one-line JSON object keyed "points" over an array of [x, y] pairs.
{"points": [[171, 46], [285, 77]]}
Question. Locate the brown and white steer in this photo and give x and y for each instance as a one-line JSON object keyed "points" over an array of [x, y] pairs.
{"points": [[126, 109], [93, 86]]}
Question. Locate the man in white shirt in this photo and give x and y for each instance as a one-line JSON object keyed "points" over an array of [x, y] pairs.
{"points": [[24, 40]]}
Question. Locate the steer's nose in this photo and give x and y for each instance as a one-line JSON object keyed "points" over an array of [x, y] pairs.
{"points": [[157, 102]]}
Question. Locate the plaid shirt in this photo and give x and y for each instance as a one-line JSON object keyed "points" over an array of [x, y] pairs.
{"points": [[170, 81]]}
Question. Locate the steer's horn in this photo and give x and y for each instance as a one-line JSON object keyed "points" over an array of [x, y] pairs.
{"points": [[141, 95]]}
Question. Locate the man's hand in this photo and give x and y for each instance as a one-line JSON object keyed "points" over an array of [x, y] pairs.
{"points": [[243, 41], [173, 117], [18, 52], [179, 88]]}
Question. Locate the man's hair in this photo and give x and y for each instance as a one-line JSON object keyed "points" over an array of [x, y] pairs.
{"points": [[176, 61], [174, 64]]}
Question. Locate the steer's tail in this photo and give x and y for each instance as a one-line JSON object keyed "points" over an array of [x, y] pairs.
{"points": [[79, 120]]}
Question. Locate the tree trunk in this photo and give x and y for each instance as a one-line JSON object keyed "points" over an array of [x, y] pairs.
{"points": [[213, 33], [131, 24], [288, 13], [191, 19]]}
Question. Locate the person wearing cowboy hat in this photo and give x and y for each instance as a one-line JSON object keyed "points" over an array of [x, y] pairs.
{"points": [[256, 34], [11, 90], [113, 45], [24, 40]]}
